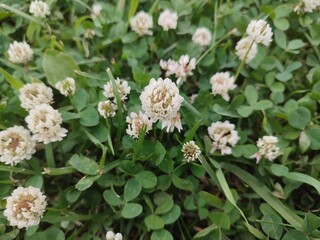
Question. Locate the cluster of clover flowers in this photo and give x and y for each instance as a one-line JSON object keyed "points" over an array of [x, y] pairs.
{"points": [[160, 101]]}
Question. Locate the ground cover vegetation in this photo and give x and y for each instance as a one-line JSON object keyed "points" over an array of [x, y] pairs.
{"points": [[159, 119]]}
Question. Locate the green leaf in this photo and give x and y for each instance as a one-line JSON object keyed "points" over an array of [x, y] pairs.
{"points": [[284, 76], [133, 8], [89, 117], [84, 164], [160, 152], [163, 201], [147, 179], [299, 118], [181, 183], [112, 198], [282, 24], [220, 219], [294, 235], [172, 216], [279, 170], [266, 195], [86, 182], [204, 232], [301, 177], [14, 82], [35, 181], [58, 66], [271, 225], [295, 44], [280, 38], [131, 210], [314, 137], [154, 222], [80, 99], [263, 105], [304, 142], [251, 94], [161, 234], [211, 199], [311, 222], [132, 189], [54, 233], [244, 111]]}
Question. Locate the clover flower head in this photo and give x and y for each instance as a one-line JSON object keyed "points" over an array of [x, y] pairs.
{"points": [[39, 9], [161, 99], [45, 123], [260, 32], [16, 145], [25, 207], [111, 236], [171, 123], [141, 23], [267, 148], [34, 94], [107, 109], [20, 52], [222, 83], [191, 151], [168, 20], [66, 87], [242, 49], [202, 36], [136, 122], [96, 10], [223, 136], [121, 85]]}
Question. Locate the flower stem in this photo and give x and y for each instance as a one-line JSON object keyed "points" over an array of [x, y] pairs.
{"points": [[49, 156]]}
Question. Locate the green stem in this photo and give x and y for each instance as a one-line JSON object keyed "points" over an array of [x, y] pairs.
{"points": [[119, 104], [58, 171], [242, 63], [49, 156], [190, 107], [17, 170]]}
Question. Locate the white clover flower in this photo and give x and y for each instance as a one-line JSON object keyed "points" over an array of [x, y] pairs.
{"points": [[44, 122], [307, 6], [242, 49], [202, 36], [181, 69], [107, 109], [96, 10], [168, 20], [224, 136], [267, 148], [39, 9], [25, 207], [141, 23], [89, 33], [66, 87], [122, 86], [191, 151], [16, 145], [136, 123], [260, 32], [20, 52], [161, 99], [33, 94], [111, 236], [172, 123], [222, 83]]}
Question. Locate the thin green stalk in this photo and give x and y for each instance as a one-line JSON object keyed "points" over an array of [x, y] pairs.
{"points": [[153, 7], [17, 170], [49, 156], [139, 143], [242, 63], [58, 171], [21, 14], [190, 107], [119, 104]]}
